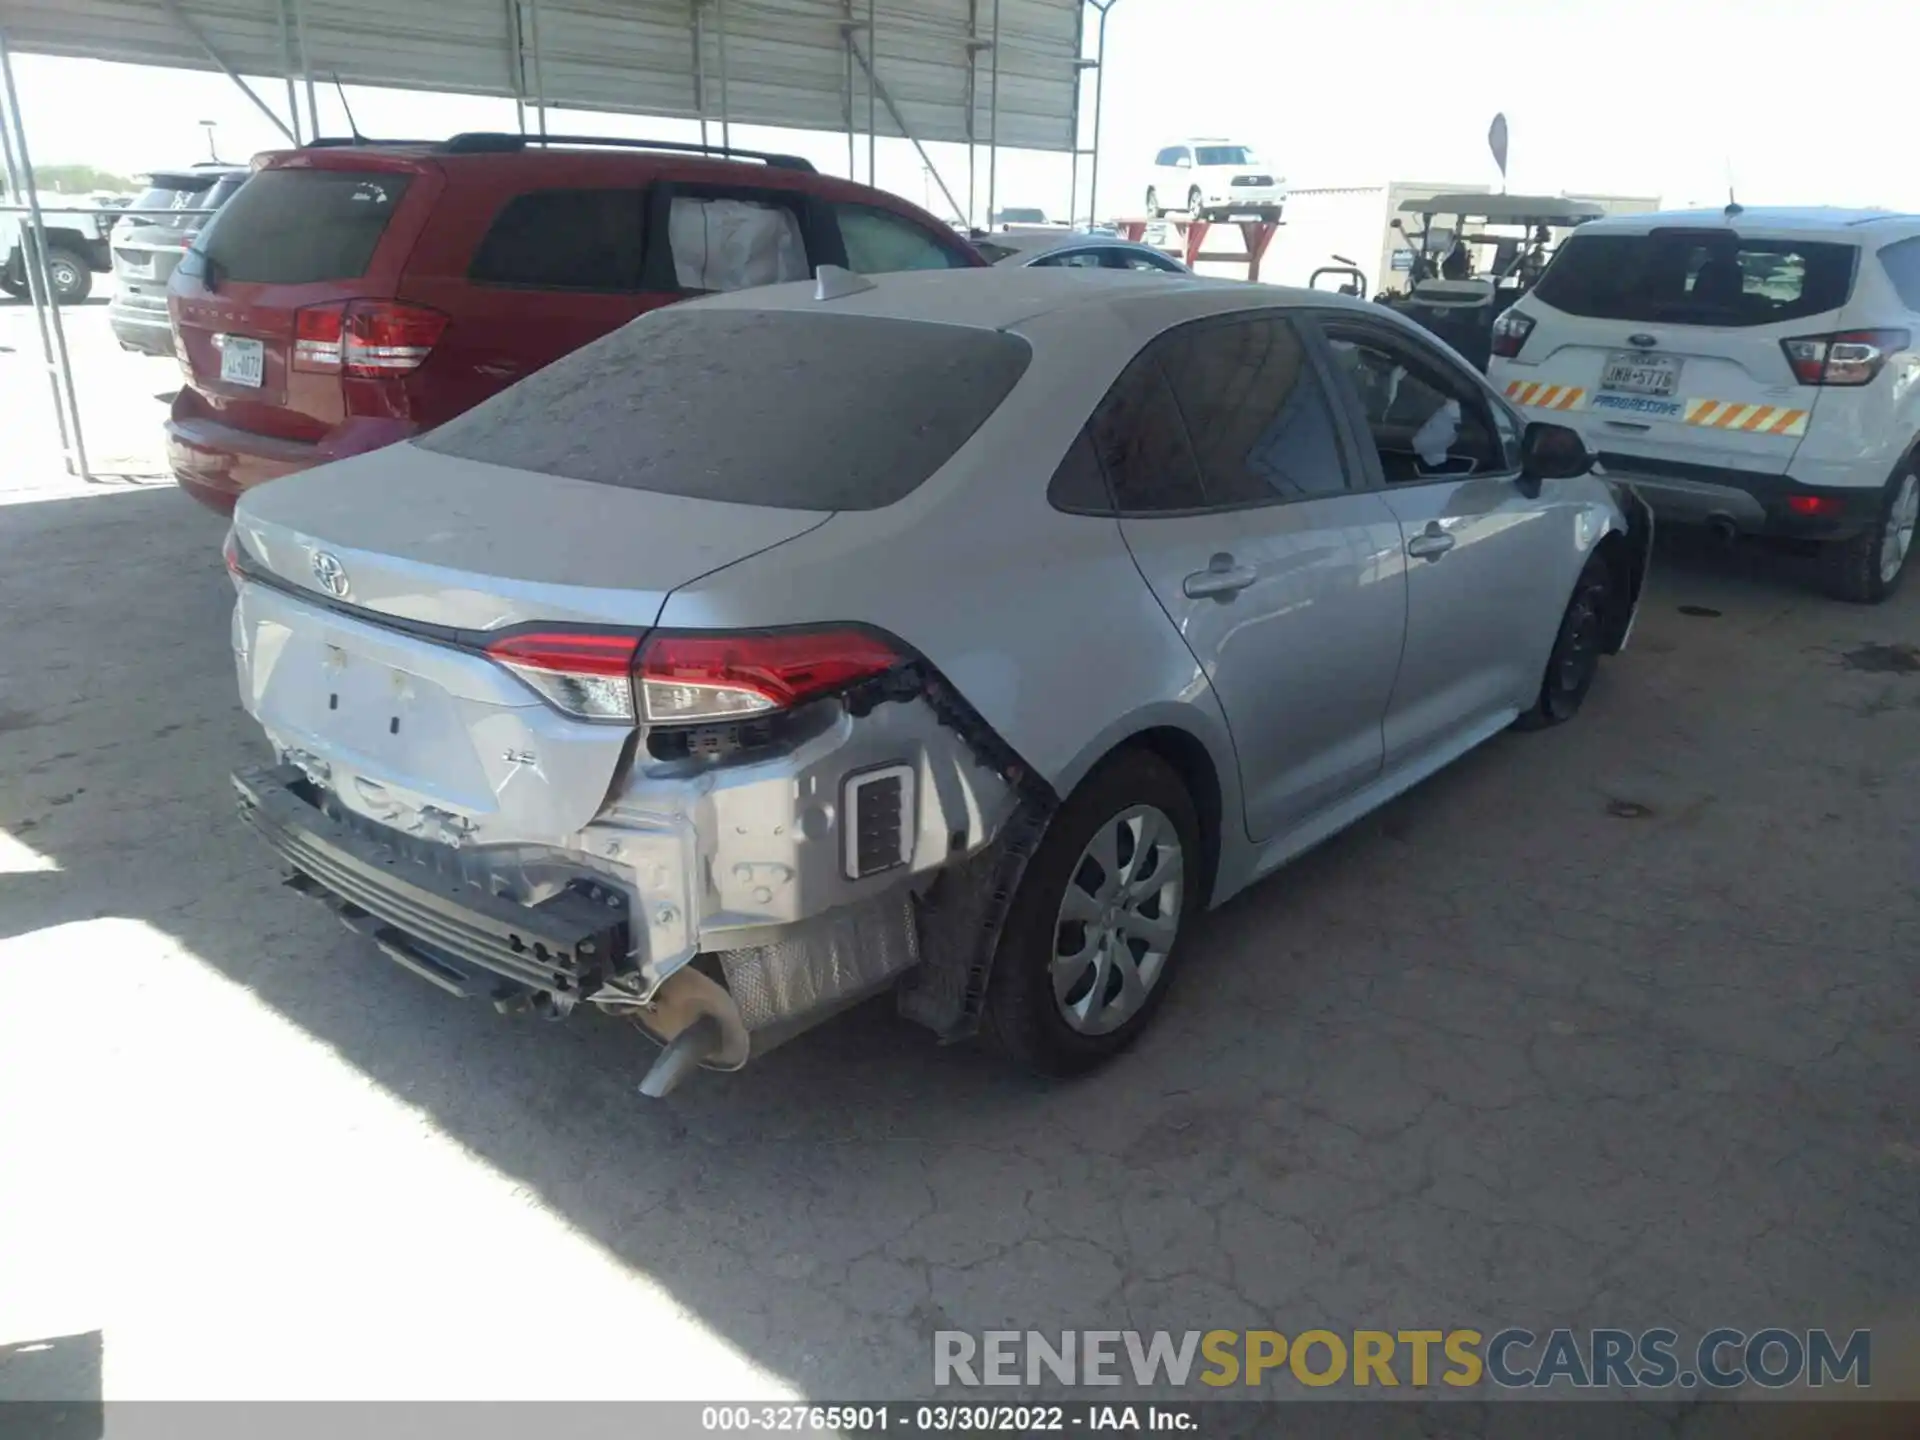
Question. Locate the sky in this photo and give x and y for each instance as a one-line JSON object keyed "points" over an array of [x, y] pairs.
{"points": [[1675, 99]]}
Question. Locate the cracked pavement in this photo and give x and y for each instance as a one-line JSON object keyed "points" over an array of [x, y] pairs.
{"points": [[1613, 1025]]}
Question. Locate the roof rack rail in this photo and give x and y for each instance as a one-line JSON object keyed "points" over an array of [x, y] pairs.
{"points": [[486, 142]]}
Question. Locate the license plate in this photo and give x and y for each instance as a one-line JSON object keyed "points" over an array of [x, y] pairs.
{"points": [[1635, 374], [242, 361], [141, 267]]}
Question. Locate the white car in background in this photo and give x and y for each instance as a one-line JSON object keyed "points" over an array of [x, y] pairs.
{"points": [[1756, 371], [1213, 177]]}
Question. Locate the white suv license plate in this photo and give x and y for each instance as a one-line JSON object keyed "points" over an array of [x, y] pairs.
{"points": [[1632, 373], [242, 361]]}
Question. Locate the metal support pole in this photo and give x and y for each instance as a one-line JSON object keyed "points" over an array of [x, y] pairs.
{"points": [[973, 106], [306, 69], [993, 121], [873, 136], [697, 21], [53, 336], [726, 114], [1099, 95], [1073, 125], [846, 40], [874, 87], [516, 66], [185, 22], [539, 72], [286, 64]]}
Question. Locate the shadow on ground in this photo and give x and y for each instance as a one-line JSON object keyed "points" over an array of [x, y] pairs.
{"points": [[1507, 1052]]}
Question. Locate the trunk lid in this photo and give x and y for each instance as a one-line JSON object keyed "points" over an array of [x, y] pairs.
{"points": [[1668, 343], [310, 228], [412, 726]]}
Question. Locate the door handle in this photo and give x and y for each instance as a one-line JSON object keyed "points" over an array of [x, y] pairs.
{"points": [[1221, 580], [1431, 543]]}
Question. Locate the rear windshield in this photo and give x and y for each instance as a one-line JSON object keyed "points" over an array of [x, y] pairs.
{"points": [[296, 227], [1692, 277], [756, 407], [178, 192]]}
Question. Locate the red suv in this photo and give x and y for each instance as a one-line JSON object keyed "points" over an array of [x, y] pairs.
{"points": [[352, 295]]}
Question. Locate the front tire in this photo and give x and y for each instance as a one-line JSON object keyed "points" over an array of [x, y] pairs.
{"points": [[1196, 204], [1868, 568], [1576, 649], [1094, 931]]}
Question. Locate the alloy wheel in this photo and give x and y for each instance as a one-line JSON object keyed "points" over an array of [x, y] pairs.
{"points": [[1898, 538], [1118, 920]]}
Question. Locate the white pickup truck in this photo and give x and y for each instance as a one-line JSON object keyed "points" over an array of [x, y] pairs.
{"points": [[78, 227]]}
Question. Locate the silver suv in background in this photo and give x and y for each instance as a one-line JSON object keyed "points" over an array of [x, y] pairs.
{"points": [[146, 247]]}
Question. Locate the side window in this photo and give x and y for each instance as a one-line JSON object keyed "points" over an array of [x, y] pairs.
{"points": [[1901, 261], [1142, 444], [879, 241], [565, 240], [1507, 427], [1077, 486], [1260, 422], [1073, 260], [1138, 260], [725, 243], [1426, 423]]}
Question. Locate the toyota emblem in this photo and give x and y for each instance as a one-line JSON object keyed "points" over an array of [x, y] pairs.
{"points": [[331, 574]]}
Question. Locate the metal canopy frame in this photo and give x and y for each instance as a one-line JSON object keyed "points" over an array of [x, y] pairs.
{"points": [[1045, 71]]}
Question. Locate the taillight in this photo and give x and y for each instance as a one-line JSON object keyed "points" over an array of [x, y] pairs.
{"points": [[690, 678], [1845, 357], [365, 338], [582, 674], [1814, 504], [387, 337], [316, 337], [230, 552], [729, 677], [1510, 332]]}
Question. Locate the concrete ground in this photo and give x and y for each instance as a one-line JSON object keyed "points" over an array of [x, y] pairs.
{"points": [[1608, 1026]]}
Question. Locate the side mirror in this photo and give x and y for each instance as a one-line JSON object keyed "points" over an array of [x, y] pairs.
{"points": [[1552, 452]]}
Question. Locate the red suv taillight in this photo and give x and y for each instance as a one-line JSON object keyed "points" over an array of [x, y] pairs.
{"points": [[1845, 357], [1510, 332], [365, 338], [690, 678]]}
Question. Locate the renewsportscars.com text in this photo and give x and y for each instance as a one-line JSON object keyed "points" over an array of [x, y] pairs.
{"points": [[1723, 1359]]}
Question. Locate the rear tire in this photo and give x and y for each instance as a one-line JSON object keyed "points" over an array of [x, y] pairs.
{"points": [[1576, 649], [1155, 210], [1089, 947], [1868, 568], [16, 288]]}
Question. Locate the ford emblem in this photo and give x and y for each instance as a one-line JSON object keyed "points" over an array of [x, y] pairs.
{"points": [[1642, 342], [331, 574]]}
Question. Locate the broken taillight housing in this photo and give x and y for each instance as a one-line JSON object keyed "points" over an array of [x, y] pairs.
{"points": [[691, 677], [365, 338], [1510, 332], [1844, 357]]}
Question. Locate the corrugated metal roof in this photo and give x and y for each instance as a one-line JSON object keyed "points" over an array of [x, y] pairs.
{"points": [[786, 64]]}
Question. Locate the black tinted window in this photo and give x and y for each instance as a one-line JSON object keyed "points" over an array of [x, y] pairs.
{"points": [[1697, 277], [1426, 422], [1142, 443], [1254, 407], [812, 411], [1902, 264], [564, 240], [296, 227], [1078, 485], [181, 192]]}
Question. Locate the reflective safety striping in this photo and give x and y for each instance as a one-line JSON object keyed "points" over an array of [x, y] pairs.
{"points": [[1754, 419], [1544, 396]]}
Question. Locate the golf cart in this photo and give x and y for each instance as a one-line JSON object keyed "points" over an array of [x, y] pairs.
{"points": [[1493, 251], [1353, 280]]}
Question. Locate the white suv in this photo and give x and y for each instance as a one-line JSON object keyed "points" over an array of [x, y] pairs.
{"points": [[1752, 370], [1208, 177]]}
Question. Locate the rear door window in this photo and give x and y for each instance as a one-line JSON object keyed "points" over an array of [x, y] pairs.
{"points": [[724, 243], [299, 227], [565, 240], [1901, 261], [1141, 444], [795, 409], [1698, 277], [879, 242]]}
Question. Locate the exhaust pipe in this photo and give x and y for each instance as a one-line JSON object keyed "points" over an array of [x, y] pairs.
{"points": [[1723, 528]]}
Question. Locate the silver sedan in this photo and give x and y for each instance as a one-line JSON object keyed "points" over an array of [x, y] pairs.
{"points": [[1074, 249], [959, 635]]}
